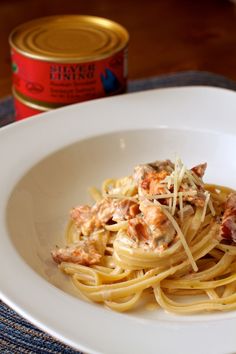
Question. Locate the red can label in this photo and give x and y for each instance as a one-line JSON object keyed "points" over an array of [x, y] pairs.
{"points": [[65, 83]]}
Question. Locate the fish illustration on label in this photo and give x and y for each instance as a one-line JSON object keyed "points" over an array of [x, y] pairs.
{"points": [[110, 82]]}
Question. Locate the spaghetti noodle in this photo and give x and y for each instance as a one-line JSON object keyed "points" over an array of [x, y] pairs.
{"points": [[160, 232]]}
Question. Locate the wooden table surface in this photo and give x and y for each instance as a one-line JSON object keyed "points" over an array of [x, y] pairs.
{"points": [[166, 35]]}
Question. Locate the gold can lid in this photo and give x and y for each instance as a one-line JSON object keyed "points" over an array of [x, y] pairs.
{"points": [[69, 38]]}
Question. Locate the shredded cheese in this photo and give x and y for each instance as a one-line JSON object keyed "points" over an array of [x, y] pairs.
{"points": [[181, 175], [170, 203], [181, 236], [175, 192], [169, 181], [207, 194], [181, 206], [211, 207]]}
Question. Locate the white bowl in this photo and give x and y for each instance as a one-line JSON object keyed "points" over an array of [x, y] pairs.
{"points": [[47, 164]]}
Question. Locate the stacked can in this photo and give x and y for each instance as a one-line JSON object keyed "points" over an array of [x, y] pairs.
{"points": [[60, 60]]}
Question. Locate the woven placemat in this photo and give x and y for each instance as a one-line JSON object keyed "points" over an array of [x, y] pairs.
{"points": [[16, 334]]}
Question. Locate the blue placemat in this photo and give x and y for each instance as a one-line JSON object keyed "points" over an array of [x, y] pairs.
{"points": [[18, 335]]}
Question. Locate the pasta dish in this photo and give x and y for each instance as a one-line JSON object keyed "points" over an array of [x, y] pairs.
{"points": [[160, 232]]}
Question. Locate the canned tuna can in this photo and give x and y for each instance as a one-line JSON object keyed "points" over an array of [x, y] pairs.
{"points": [[24, 108], [68, 59]]}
